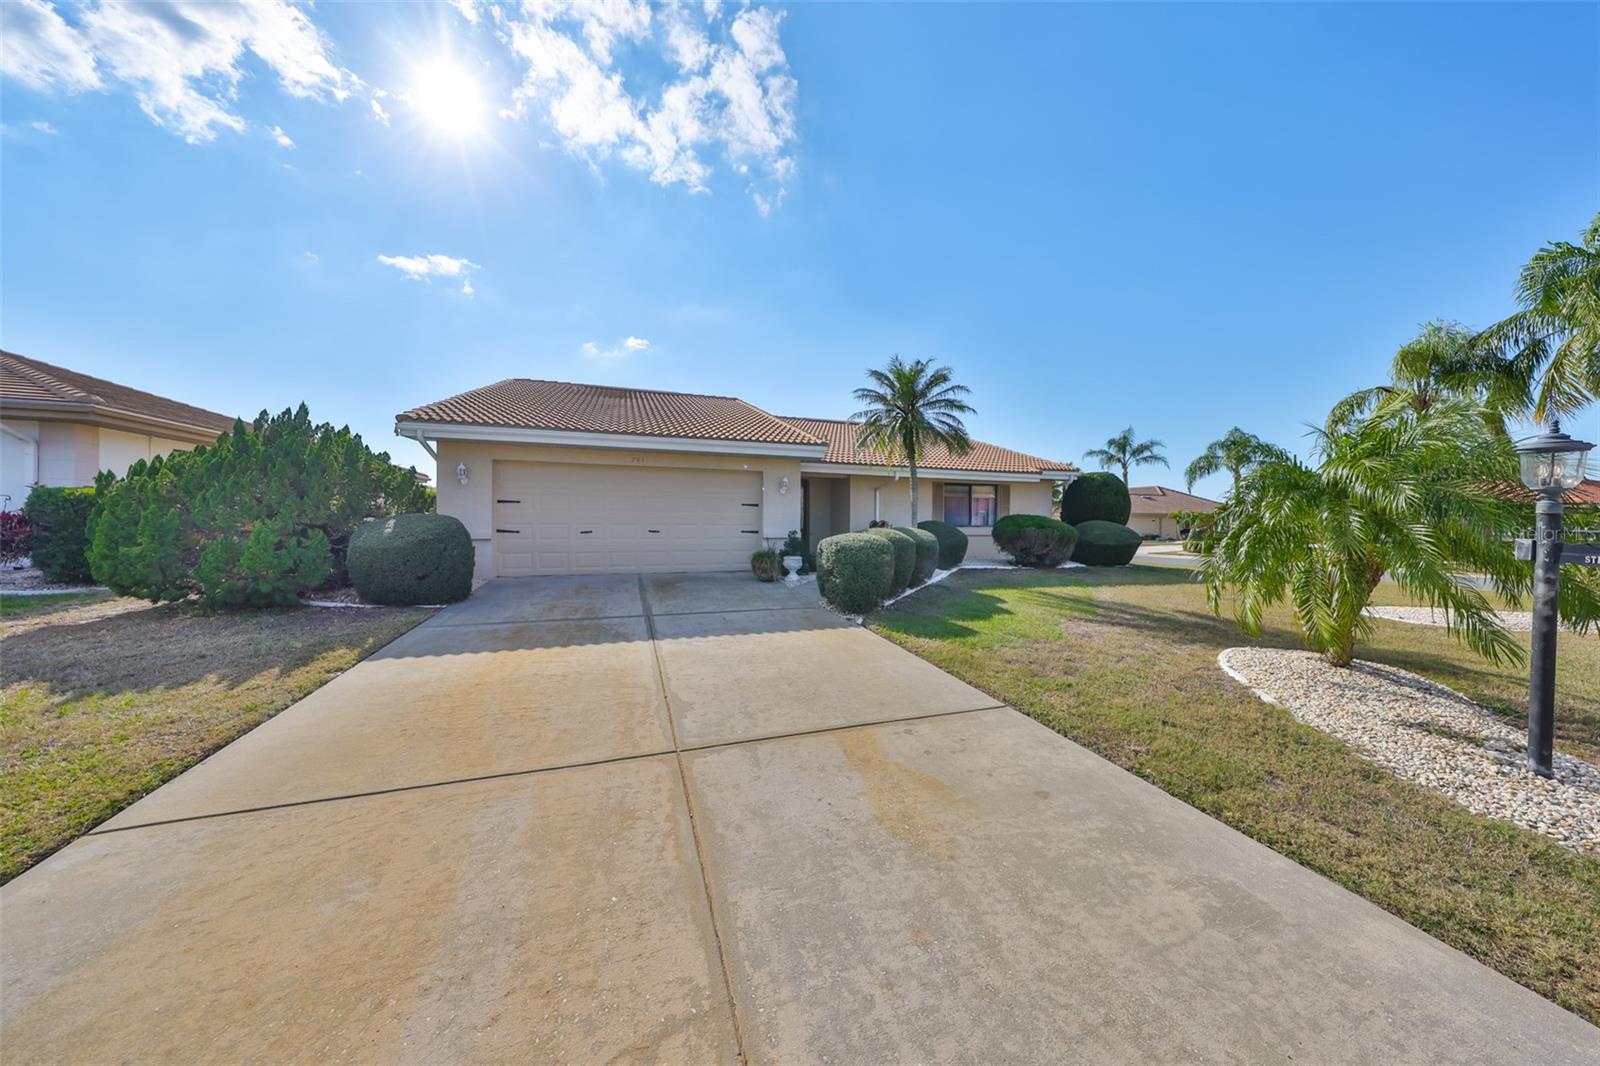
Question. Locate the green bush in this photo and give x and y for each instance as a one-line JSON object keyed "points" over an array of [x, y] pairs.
{"points": [[58, 539], [411, 558], [766, 564], [927, 553], [1105, 544], [261, 516], [1034, 540], [855, 570], [1096, 497], [952, 542], [905, 558]]}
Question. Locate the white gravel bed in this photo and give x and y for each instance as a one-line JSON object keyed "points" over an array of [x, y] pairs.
{"points": [[1515, 621], [1430, 734], [28, 581]]}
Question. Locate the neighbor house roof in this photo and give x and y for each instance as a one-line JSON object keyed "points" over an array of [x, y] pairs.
{"points": [[522, 403], [1587, 494], [1154, 500], [984, 458], [38, 389]]}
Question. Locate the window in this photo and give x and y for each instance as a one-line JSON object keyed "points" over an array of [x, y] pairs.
{"points": [[970, 505]]}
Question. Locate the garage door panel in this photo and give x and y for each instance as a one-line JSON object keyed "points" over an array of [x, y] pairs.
{"points": [[637, 518]]}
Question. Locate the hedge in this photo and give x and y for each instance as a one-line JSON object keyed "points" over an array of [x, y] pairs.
{"points": [[58, 538], [1034, 540], [1105, 544], [952, 542], [905, 557], [255, 519], [411, 558], [927, 553], [855, 570], [1096, 497]]}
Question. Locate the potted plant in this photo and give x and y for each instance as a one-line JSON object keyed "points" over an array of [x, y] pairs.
{"points": [[766, 565]]}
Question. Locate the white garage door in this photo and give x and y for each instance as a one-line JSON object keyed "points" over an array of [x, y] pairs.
{"points": [[561, 518]]}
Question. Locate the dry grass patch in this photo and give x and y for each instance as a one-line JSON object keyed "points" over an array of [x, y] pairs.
{"points": [[102, 702], [1124, 661]]}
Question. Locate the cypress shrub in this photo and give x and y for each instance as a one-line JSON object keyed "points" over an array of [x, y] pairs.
{"points": [[1097, 497], [855, 570], [411, 558], [952, 542], [261, 516], [58, 538], [1034, 540], [905, 557], [927, 553], [1105, 544]]}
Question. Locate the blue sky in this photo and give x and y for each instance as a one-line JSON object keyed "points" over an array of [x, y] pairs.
{"points": [[1184, 217]]}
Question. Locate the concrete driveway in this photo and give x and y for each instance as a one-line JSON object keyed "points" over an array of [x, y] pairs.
{"points": [[695, 819]]}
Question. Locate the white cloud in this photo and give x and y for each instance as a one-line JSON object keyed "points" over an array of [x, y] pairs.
{"points": [[181, 59], [467, 8], [377, 109], [40, 50], [281, 137], [428, 267], [621, 350], [44, 127], [728, 89]]}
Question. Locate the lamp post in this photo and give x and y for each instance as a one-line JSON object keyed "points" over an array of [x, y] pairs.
{"points": [[1551, 463]]}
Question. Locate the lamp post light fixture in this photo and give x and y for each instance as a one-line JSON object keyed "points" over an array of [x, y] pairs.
{"points": [[1551, 464]]}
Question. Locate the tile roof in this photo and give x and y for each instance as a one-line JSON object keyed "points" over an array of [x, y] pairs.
{"points": [[983, 459], [36, 385], [523, 403], [1586, 494], [1155, 500]]}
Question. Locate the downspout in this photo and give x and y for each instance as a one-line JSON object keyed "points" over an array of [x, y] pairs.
{"points": [[422, 440], [877, 498]]}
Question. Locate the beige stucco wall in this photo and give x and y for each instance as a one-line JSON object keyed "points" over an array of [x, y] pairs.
{"points": [[473, 503], [70, 454], [1159, 526]]}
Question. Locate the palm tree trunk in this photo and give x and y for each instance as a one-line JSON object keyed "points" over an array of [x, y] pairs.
{"points": [[1125, 472], [912, 464]]}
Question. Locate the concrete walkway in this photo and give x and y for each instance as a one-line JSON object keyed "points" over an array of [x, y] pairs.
{"points": [[697, 819]]}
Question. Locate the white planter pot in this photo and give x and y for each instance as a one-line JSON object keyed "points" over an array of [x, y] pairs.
{"points": [[792, 564]]}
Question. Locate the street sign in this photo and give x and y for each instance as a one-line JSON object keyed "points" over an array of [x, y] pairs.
{"points": [[1580, 554]]}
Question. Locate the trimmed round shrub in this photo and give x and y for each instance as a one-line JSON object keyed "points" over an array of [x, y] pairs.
{"points": [[905, 557], [58, 539], [1097, 497], [1105, 544], [952, 542], [927, 553], [1034, 540], [411, 558], [855, 570]]}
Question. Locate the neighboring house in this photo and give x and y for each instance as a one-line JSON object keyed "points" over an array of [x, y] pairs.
{"points": [[1151, 515], [60, 427], [557, 478]]}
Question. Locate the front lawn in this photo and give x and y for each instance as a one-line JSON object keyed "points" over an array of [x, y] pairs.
{"points": [[102, 701], [17, 606], [1124, 661]]}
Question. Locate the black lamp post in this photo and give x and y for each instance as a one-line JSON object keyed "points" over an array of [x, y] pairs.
{"points": [[1551, 463]]}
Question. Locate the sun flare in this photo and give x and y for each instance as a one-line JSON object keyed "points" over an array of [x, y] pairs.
{"points": [[448, 98]]}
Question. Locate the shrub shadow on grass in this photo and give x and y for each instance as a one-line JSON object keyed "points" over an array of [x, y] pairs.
{"points": [[170, 646]]}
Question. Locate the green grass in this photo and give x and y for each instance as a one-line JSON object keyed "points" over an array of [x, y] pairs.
{"points": [[20, 606], [1124, 661], [98, 709]]}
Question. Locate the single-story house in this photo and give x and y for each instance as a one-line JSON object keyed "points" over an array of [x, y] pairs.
{"points": [[551, 477], [59, 427], [1151, 514]]}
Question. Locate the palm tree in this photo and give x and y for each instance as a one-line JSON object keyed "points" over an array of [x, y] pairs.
{"points": [[911, 407], [1551, 348], [1235, 451], [1123, 451], [1445, 359], [1412, 494]]}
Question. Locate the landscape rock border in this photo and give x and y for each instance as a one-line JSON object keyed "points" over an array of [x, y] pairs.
{"points": [[1429, 734]]}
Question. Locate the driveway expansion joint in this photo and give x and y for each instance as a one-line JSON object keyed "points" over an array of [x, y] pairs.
{"points": [[694, 828]]}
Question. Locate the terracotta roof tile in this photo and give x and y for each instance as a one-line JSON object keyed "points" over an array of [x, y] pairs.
{"points": [[523, 403], [1155, 500], [29, 383], [983, 459]]}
